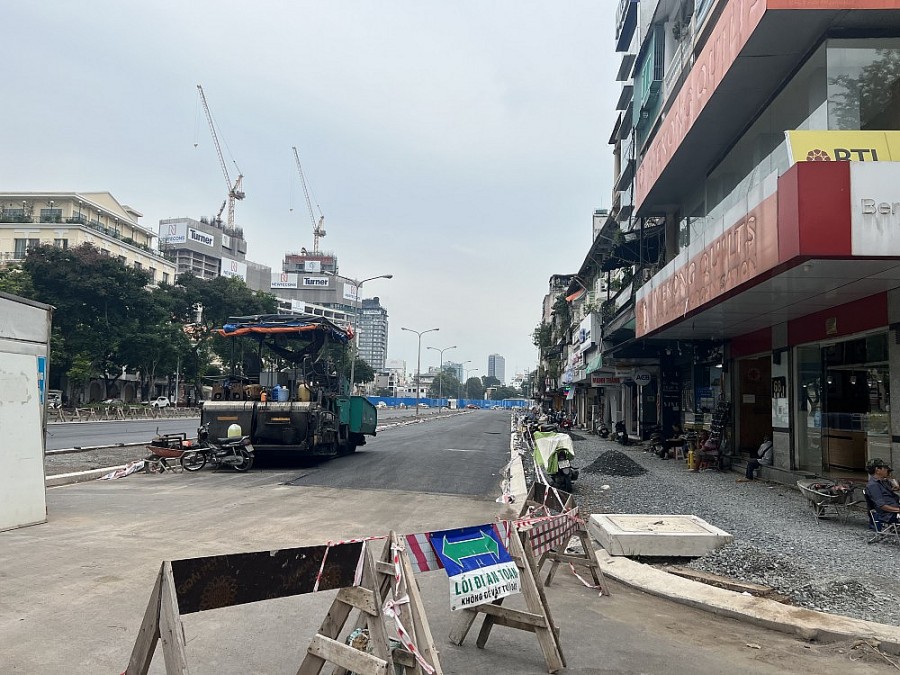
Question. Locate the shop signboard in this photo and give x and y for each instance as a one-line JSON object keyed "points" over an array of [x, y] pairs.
{"points": [[641, 377], [173, 233], [875, 208], [234, 268], [284, 280], [478, 565], [604, 380]]}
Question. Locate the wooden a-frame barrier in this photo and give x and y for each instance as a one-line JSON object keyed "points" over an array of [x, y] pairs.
{"points": [[543, 499], [392, 571], [536, 618]]}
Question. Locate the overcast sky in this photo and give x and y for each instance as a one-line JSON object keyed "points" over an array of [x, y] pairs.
{"points": [[460, 146]]}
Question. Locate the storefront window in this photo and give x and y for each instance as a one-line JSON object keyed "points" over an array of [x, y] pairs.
{"points": [[843, 404], [864, 84]]}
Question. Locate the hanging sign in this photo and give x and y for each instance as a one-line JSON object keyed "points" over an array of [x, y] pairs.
{"points": [[478, 565]]}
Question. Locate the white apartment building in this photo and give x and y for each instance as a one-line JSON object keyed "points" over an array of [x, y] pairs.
{"points": [[69, 219]]}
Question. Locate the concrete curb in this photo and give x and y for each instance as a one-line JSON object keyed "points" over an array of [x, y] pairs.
{"points": [[805, 623], [61, 479]]}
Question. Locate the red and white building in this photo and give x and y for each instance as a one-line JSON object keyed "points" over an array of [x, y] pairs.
{"points": [[757, 216]]}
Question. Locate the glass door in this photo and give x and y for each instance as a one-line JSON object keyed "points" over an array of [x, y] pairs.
{"points": [[808, 409]]}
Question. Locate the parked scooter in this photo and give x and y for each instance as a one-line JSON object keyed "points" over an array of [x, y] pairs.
{"points": [[565, 472], [603, 430], [236, 452], [621, 433]]}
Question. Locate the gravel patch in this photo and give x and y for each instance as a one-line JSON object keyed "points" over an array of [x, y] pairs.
{"points": [[826, 565]]}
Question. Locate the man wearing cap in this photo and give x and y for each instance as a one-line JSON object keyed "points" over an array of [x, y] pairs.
{"points": [[886, 502]]}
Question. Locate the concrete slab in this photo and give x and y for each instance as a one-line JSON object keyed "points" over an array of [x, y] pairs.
{"points": [[656, 535]]}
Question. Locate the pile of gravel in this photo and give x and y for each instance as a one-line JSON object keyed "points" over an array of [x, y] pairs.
{"points": [[615, 463], [825, 565]]}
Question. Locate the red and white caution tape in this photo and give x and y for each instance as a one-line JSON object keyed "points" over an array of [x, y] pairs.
{"points": [[357, 577], [392, 609]]}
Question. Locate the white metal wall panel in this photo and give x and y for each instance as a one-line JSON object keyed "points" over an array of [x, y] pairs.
{"points": [[22, 485]]}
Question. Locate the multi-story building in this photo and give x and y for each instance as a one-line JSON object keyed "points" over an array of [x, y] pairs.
{"points": [[497, 367], [69, 219], [755, 207], [372, 333], [208, 249]]}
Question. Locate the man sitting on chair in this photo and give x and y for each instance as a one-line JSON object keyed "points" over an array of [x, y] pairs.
{"points": [[885, 501]]}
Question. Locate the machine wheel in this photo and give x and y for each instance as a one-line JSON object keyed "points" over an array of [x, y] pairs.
{"points": [[152, 466], [567, 483], [193, 460], [246, 463]]}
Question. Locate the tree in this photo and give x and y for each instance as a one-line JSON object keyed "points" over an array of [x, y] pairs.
{"points": [[101, 306], [501, 393], [363, 372], [445, 384], [16, 281], [474, 388], [490, 381]]}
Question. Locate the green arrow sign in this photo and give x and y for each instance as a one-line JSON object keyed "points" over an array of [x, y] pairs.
{"points": [[469, 548]]}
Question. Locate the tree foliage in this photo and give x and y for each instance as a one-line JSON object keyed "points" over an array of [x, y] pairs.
{"points": [[444, 385], [474, 388]]}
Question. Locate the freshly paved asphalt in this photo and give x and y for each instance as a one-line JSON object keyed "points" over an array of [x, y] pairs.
{"points": [[73, 591]]}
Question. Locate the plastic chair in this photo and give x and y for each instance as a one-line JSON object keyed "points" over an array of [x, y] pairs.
{"points": [[882, 530], [679, 451]]}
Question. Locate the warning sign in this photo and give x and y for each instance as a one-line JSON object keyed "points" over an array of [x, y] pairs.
{"points": [[478, 565]]}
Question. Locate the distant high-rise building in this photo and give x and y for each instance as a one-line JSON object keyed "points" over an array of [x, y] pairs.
{"points": [[372, 329], [497, 367], [455, 368]]}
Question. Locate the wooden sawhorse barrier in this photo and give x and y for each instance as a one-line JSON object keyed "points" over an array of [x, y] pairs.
{"points": [[545, 500], [536, 619], [182, 587]]}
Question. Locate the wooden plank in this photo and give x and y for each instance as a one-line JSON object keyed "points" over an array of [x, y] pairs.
{"points": [[720, 581], [424, 641], [171, 631], [384, 567], [377, 635], [536, 602], [518, 615], [460, 626], [488, 624], [148, 633], [361, 598], [347, 657]]}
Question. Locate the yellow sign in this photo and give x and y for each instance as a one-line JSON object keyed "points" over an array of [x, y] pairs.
{"points": [[843, 146]]}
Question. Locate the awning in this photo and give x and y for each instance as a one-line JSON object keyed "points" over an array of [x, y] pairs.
{"points": [[574, 296], [595, 364]]}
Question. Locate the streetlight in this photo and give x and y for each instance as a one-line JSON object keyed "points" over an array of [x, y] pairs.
{"points": [[462, 371], [353, 351], [419, 359], [441, 370], [470, 370]]}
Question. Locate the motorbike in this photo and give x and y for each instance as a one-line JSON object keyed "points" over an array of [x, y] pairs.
{"points": [[657, 442], [565, 472], [565, 422], [621, 433], [603, 430], [236, 452]]}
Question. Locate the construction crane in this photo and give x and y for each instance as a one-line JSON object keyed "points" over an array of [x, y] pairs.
{"points": [[234, 189], [318, 226]]}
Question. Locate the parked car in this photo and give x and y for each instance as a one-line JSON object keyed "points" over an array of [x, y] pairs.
{"points": [[471, 406], [423, 405], [381, 404], [160, 402]]}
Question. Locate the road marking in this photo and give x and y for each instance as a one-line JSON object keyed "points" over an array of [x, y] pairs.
{"points": [[462, 450]]}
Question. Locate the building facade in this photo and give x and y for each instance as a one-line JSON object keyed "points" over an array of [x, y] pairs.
{"points": [[752, 270], [496, 367], [69, 219], [372, 333], [208, 249]]}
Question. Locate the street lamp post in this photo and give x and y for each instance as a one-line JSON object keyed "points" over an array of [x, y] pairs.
{"points": [[470, 370], [441, 370], [419, 359], [354, 350], [462, 368]]}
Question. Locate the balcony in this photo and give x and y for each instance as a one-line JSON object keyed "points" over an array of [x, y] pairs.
{"points": [[625, 96]]}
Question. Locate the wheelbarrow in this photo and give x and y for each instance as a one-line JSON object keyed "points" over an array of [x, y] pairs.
{"points": [[828, 497]]}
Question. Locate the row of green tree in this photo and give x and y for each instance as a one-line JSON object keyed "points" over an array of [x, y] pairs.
{"points": [[108, 320], [446, 385]]}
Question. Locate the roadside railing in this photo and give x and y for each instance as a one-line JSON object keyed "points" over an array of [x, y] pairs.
{"points": [[108, 413]]}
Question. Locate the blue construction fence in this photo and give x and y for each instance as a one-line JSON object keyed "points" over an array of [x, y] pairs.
{"points": [[410, 402]]}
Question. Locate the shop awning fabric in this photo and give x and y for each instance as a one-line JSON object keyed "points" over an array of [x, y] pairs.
{"points": [[596, 363]]}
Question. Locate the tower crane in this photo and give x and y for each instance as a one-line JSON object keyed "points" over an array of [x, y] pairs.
{"points": [[318, 227], [234, 189]]}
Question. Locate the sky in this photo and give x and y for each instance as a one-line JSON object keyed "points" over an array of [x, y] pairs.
{"points": [[460, 146]]}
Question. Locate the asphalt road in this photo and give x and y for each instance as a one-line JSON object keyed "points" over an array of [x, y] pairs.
{"points": [[73, 591], [92, 434]]}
